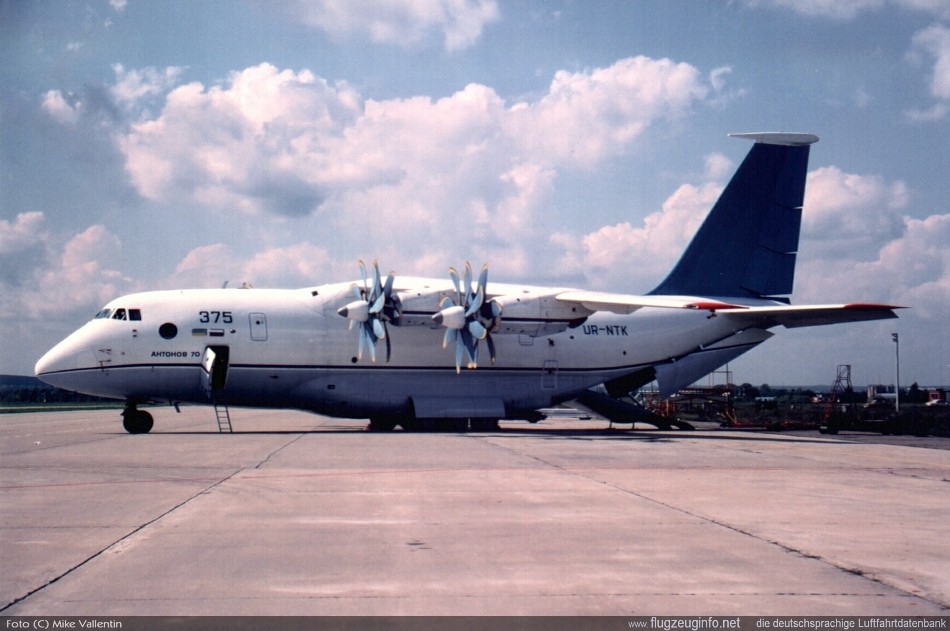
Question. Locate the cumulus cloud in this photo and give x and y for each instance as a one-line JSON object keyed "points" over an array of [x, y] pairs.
{"points": [[63, 111], [23, 247], [587, 116], [299, 265], [467, 169], [934, 41], [910, 270], [625, 257], [849, 220], [263, 143], [850, 215], [131, 86], [52, 275], [408, 24], [722, 95]]}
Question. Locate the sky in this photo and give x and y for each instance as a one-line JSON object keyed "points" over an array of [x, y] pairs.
{"points": [[150, 145]]}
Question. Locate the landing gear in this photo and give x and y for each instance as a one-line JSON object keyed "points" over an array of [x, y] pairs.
{"points": [[382, 424], [135, 421], [484, 424]]}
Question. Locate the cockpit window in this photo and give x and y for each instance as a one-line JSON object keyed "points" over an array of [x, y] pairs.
{"points": [[120, 314]]}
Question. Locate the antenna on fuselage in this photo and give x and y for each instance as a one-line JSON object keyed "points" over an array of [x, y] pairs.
{"points": [[225, 285]]}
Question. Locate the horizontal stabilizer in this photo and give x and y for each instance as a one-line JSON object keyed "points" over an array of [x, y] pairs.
{"points": [[622, 303], [678, 374], [786, 139], [811, 315], [618, 410]]}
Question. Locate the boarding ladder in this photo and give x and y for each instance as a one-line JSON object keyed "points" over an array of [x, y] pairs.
{"points": [[223, 417]]}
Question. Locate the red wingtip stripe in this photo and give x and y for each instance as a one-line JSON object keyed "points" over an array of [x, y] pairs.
{"points": [[870, 305]]}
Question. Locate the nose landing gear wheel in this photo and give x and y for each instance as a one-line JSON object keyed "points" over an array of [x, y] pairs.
{"points": [[136, 421]]}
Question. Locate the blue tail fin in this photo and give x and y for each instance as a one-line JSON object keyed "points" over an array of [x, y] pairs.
{"points": [[746, 246]]}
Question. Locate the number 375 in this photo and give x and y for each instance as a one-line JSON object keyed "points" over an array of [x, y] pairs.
{"points": [[207, 317]]}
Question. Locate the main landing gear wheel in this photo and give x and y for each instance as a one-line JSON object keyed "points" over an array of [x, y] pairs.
{"points": [[136, 421]]}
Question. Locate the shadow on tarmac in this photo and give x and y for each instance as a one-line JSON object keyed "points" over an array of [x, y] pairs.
{"points": [[547, 433]]}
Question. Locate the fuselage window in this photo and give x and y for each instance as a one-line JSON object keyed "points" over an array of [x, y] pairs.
{"points": [[135, 314], [119, 314], [168, 330]]}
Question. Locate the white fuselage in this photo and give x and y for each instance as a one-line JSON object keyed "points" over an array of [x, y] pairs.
{"points": [[290, 348]]}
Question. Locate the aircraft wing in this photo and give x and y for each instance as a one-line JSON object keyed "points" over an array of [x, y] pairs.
{"points": [[623, 303], [810, 315]]}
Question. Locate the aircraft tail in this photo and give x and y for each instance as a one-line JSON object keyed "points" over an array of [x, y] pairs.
{"points": [[746, 247]]}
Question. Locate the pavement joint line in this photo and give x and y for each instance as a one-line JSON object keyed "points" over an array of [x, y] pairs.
{"points": [[787, 548], [278, 450], [142, 527], [805, 555]]}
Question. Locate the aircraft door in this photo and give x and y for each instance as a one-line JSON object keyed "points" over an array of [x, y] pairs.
{"points": [[258, 326], [214, 369]]}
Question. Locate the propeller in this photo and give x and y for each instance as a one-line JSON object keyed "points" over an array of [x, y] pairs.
{"points": [[372, 308], [468, 318]]}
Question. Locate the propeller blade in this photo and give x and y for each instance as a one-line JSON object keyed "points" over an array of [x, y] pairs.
{"points": [[377, 283], [449, 338], [379, 329], [371, 342], [459, 353], [363, 342], [471, 347], [483, 278], [363, 274], [477, 330], [476, 303], [454, 275], [491, 348], [467, 283], [378, 305], [388, 287], [388, 345]]}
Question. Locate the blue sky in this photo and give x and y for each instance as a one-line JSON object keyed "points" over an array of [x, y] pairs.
{"points": [[150, 145]]}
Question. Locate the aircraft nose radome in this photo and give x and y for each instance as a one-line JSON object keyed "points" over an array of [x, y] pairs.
{"points": [[62, 357], [42, 365], [48, 363]]}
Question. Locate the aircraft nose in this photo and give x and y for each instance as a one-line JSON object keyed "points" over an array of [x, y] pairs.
{"points": [[49, 362], [54, 366], [52, 362]]}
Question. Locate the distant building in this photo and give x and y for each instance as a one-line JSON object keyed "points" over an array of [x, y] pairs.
{"points": [[936, 394], [879, 393]]}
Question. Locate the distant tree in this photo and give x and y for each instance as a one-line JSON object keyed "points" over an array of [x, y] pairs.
{"points": [[748, 391]]}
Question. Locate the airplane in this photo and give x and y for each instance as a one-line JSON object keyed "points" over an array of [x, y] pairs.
{"points": [[408, 351]]}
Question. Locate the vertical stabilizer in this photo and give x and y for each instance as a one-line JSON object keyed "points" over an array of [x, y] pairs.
{"points": [[746, 246]]}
